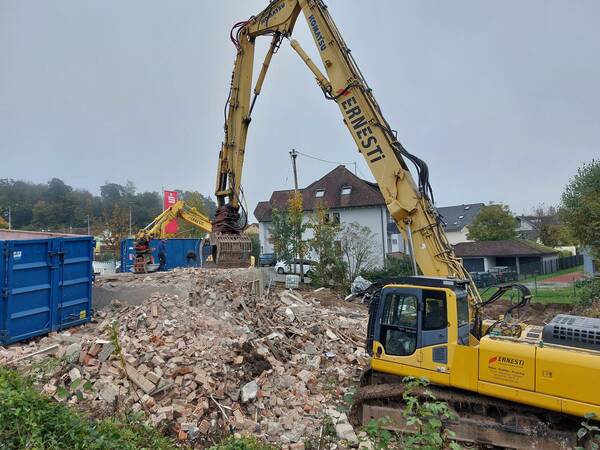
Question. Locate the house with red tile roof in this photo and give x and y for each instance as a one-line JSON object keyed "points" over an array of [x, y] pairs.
{"points": [[348, 198]]}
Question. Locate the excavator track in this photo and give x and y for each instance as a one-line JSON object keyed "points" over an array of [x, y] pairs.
{"points": [[483, 422]]}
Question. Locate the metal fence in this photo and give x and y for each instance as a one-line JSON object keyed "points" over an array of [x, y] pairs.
{"points": [[550, 266]]}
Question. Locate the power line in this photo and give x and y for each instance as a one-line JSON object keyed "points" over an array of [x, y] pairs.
{"points": [[353, 163]]}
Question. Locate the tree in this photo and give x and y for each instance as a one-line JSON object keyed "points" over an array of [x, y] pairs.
{"points": [[580, 209], [3, 224], [205, 205], [282, 235], [357, 245], [296, 219], [329, 269], [116, 229], [546, 221], [493, 223], [287, 229]]}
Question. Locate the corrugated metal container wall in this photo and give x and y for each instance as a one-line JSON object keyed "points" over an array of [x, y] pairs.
{"points": [[177, 251], [45, 283]]}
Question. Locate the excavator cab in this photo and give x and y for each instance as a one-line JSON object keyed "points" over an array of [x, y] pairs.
{"points": [[415, 322]]}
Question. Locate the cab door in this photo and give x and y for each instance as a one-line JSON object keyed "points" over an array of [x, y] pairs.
{"points": [[434, 334], [396, 337]]}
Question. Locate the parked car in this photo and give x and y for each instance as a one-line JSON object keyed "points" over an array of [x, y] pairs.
{"points": [[294, 267], [483, 279], [503, 274], [267, 260]]}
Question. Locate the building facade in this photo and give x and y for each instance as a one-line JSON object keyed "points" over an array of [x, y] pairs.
{"points": [[348, 199], [457, 220]]}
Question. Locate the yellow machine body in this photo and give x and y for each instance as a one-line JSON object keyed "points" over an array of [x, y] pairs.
{"points": [[520, 369]]}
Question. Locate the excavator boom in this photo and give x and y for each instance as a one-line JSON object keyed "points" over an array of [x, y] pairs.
{"points": [[157, 228], [409, 202]]}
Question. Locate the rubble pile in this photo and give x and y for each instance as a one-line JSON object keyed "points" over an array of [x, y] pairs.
{"points": [[220, 359]]}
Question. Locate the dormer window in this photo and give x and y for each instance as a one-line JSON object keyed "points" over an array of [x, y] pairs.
{"points": [[320, 193], [467, 207], [346, 190], [461, 217]]}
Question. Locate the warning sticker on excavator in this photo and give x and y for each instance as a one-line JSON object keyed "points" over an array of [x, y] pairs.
{"points": [[82, 314], [503, 368]]}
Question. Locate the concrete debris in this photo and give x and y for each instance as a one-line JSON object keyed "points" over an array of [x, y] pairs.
{"points": [[249, 391], [214, 358], [345, 431]]}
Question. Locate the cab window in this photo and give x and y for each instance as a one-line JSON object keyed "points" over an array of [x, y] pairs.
{"points": [[399, 324], [434, 312], [462, 306]]}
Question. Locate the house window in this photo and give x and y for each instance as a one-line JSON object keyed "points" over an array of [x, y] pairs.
{"points": [[320, 193], [337, 245], [336, 218], [327, 218], [346, 190]]}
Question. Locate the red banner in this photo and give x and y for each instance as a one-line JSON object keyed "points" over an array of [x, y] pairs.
{"points": [[170, 198]]}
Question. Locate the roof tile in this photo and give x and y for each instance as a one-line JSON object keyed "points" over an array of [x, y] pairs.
{"points": [[363, 193]]}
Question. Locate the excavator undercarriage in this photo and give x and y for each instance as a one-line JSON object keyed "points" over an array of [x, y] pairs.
{"points": [[482, 422]]}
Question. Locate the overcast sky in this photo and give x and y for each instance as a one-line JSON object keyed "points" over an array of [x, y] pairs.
{"points": [[502, 99]]}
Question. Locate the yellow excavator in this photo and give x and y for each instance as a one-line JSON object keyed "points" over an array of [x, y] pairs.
{"points": [[157, 229], [512, 385]]}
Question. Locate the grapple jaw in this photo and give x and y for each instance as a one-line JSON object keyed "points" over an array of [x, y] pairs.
{"points": [[230, 250]]}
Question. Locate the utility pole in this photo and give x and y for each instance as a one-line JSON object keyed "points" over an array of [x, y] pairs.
{"points": [[130, 220], [9, 219], [294, 155], [88, 225]]}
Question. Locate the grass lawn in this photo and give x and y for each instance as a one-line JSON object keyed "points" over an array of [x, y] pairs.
{"points": [[552, 275], [544, 295]]}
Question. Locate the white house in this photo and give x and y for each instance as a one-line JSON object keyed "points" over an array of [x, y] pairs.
{"points": [[349, 199], [457, 220]]}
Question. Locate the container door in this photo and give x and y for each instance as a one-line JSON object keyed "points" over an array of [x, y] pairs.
{"points": [[127, 254], [27, 293], [74, 286]]}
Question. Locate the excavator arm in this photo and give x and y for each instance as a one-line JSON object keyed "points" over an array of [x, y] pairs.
{"points": [[409, 202], [157, 228]]}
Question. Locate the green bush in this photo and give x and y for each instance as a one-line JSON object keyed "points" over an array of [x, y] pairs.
{"points": [[395, 266], [31, 420], [588, 292]]}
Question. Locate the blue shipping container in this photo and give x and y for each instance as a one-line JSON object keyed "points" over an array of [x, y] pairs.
{"points": [[45, 283], [177, 252]]}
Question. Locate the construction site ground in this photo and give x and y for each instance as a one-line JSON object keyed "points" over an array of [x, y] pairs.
{"points": [[205, 353]]}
